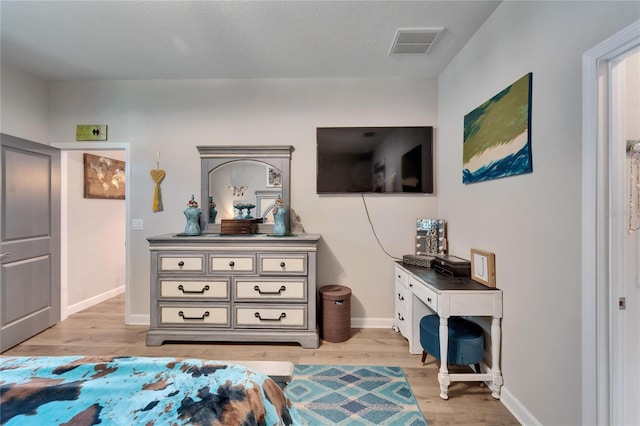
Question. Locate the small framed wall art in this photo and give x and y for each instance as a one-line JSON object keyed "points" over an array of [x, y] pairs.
{"points": [[104, 177], [91, 132], [483, 267], [274, 178]]}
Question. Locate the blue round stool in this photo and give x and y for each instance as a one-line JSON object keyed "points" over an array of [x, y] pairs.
{"points": [[466, 341]]}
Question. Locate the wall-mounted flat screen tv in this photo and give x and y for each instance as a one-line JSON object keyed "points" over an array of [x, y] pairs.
{"points": [[374, 160]]}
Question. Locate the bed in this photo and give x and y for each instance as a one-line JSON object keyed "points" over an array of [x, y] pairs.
{"points": [[85, 390]]}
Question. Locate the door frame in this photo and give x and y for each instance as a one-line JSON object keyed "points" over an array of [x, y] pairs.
{"points": [[601, 241], [94, 146]]}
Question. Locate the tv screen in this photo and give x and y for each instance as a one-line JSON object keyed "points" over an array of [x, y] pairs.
{"points": [[374, 160]]}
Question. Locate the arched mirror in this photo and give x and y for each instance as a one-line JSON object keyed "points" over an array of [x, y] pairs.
{"points": [[244, 189], [243, 182]]}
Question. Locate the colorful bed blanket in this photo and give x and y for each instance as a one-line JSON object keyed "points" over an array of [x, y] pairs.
{"points": [[76, 390]]}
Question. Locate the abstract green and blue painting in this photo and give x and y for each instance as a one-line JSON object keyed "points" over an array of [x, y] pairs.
{"points": [[497, 135]]}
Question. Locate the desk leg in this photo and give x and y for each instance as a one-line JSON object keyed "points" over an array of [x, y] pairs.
{"points": [[496, 336], [443, 375]]}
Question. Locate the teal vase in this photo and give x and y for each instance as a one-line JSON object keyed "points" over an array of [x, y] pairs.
{"points": [[192, 213], [280, 220]]}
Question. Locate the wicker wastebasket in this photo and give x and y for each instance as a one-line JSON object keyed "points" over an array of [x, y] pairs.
{"points": [[336, 313]]}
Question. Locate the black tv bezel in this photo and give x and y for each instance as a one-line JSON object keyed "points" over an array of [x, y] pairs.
{"points": [[427, 157]]}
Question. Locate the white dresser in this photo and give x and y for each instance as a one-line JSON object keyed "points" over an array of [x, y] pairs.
{"points": [[423, 291], [254, 288]]}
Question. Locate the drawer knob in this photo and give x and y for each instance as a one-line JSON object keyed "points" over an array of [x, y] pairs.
{"points": [[429, 299], [280, 290], [181, 288], [282, 264], [400, 297], [400, 317], [181, 263], [232, 264], [282, 315], [181, 314]]}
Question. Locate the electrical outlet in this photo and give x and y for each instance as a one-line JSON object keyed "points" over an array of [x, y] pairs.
{"points": [[137, 224]]}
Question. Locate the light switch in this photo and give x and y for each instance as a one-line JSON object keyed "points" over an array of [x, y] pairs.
{"points": [[137, 224]]}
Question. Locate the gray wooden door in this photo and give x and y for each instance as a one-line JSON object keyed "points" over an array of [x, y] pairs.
{"points": [[30, 239]]}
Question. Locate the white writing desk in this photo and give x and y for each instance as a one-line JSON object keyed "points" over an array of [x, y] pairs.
{"points": [[422, 291]]}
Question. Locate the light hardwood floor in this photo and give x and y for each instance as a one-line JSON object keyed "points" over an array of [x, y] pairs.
{"points": [[100, 330]]}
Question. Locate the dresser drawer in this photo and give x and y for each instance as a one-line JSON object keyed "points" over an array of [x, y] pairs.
{"points": [[173, 263], [195, 289], [282, 264], [424, 293], [402, 306], [261, 316], [402, 296], [215, 315], [271, 289], [402, 320], [402, 277], [232, 263]]}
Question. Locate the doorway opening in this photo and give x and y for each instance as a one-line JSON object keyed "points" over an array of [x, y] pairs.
{"points": [[85, 251], [610, 282]]}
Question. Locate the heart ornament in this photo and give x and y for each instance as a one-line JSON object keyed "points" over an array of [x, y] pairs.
{"points": [[158, 175]]}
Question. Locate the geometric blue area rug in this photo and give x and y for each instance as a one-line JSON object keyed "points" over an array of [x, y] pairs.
{"points": [[353, 395]]}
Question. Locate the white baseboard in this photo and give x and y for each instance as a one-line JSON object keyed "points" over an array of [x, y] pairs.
{"points": [[372, 322], [77, 307], [138, 319], [516, 408]]}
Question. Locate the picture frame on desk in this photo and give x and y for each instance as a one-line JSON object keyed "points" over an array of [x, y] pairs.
{"points": [[483, 267]]}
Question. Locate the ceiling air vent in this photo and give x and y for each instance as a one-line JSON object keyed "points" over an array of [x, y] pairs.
{"points": [[414, 40]]}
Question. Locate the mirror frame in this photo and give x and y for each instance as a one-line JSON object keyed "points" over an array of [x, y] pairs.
{"points": [[431, 233], [212, 157]]}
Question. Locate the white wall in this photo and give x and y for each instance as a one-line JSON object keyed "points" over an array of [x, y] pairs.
{"points": [[173, 117], [24, 105], [531, 222], [96, 237]]}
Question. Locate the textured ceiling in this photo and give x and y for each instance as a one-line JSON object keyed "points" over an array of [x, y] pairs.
{"points": [[96, 40]]}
